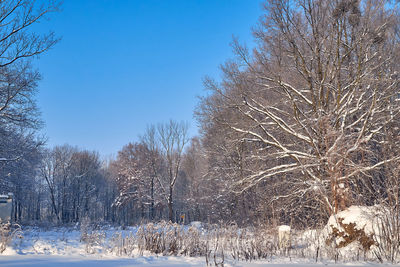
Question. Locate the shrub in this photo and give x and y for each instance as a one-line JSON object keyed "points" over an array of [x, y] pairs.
{"points": [[349, 234], [8, 232]]}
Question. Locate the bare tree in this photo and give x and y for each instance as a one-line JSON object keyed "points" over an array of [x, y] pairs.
{"points": [[18, 44], [173, 138], [128, 173], [76, 184], [56, 173], [195, 167], [18, 81], [18, 174], [48, 170], [154, 163], [85, 174], [310, 104], [135, 171]]}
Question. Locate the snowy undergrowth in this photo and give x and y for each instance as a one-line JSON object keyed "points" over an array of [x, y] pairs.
{"points": [[358, 233], [341, 240], [215, 244]]}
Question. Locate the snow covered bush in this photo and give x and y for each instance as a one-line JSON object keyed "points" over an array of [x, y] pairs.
{"points": [[308, 244], [265, 243], [193, 243], [123, 244], [387, 235], [356, 233], [359, 232], [91, 238], [347, 234], [215, 243], [8, 232], [246, 244], [163, 237], [239, 243], [149, 238], [171, 239]]}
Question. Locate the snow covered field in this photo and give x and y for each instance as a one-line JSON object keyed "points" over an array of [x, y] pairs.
{"points": [[108, 246], [87, 260], [81, 260]]}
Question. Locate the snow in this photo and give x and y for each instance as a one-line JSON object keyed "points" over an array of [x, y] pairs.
{"points": [[152, 261], [77, 261], [59, 241], [364, 217], [284, 228]]}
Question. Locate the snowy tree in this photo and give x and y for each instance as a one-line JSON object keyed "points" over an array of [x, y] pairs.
{"points": [[173, 138], [55, 171], [194, 165], [76, 185], [153, 164], [308, 108], [85, 176], [131, 172], [146, 173], [18, 173], [48, 171]]}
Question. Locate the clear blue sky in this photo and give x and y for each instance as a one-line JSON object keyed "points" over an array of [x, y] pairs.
{"points": [[125, 64]]}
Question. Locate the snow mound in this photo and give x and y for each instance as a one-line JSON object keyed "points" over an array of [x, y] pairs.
{"points": [[364, 217]]}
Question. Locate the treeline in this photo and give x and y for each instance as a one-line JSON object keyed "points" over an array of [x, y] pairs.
{"points": [[151, 180], [301, 127]]}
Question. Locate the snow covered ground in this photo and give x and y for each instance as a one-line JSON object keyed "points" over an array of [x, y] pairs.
{"points": [[80, 261], [87, 260]]}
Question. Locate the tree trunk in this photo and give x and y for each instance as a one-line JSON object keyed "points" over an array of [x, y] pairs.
{"points": [[170, 208], [152, 199]]}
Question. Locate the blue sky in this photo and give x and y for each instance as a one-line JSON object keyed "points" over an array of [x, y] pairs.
{"points": [[124, 64]]}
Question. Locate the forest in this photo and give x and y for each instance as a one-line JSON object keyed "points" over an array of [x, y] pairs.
{"points": [[301, 127]]}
